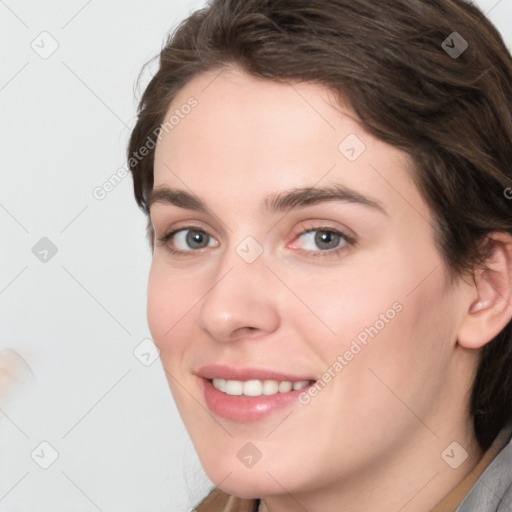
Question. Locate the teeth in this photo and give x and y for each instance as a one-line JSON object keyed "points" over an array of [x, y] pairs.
{"points": [[285, 386], [257, 387]]}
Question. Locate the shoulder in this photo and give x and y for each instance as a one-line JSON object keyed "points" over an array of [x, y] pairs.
{"points": [[492, 492]]}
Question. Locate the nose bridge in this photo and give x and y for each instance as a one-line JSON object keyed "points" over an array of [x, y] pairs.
{"points": [[239, 296]]}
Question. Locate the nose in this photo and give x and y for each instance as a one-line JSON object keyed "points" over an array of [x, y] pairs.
{"points": [[240, 300]]}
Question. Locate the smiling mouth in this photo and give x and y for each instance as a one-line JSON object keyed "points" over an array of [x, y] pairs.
{"points": [[258, 387]]}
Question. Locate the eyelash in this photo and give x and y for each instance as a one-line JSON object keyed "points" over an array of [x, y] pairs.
{"points": [[349, 241]]}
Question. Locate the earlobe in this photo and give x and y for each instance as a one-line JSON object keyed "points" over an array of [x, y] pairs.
{"points": [[491, 311]]}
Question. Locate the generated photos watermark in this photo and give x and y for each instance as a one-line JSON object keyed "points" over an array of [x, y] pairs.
{"points": [[355, 348], [100, 192]]}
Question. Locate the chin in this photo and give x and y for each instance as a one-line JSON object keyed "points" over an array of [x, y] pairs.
{"points": [[249, 487], [232, 477]]}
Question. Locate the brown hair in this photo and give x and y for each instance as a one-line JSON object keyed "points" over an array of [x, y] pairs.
{"points": [[451, 113]]}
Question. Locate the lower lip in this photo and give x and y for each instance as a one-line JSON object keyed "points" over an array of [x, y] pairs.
{"points": [[247, 409]]}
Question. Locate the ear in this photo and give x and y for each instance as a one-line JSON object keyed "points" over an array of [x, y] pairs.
{"points": [[491, 311]]}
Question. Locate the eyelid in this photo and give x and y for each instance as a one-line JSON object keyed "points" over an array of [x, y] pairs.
{"points": [[324, 225], [183, 225]]}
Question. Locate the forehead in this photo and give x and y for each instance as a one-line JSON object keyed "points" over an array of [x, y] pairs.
{"points": [[260, 116], [249, 136]]}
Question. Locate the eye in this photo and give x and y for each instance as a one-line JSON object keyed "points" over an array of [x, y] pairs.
{"points": [[316, 241], [321, 240], [186, 240]]}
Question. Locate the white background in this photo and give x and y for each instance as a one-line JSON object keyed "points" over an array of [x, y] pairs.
{"points": [[76, 319]]}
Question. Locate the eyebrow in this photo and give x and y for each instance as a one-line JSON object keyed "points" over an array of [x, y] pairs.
{"points": [[274, 203]]}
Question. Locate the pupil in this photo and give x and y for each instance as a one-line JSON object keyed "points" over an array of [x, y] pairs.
{"points": [[327, 239], [195, 237]]}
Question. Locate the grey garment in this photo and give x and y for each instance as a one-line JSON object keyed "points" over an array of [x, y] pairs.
{"points": [[492, 491]]}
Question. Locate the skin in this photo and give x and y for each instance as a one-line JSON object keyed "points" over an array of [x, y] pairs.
{"points": [[372, 439]]}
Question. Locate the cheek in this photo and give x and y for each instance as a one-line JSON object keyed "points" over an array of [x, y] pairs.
{"points": [[169, 307], [158, 305], [404, 358], [368, 288], [380, 313], [350, 298]]}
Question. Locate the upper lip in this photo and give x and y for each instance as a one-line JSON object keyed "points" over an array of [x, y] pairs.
{"points": [[220, 371]]}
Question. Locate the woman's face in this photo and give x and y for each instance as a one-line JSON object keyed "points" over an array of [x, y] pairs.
{"points": [[343, 286]]}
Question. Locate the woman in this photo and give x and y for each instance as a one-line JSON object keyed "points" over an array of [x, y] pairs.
{"points": [[325, 185]]}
